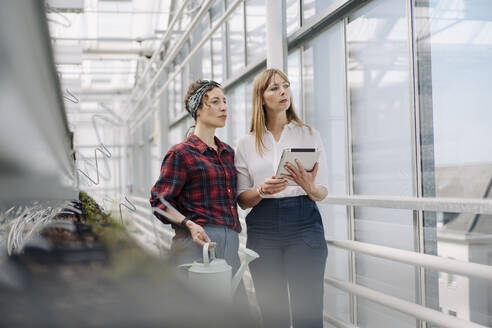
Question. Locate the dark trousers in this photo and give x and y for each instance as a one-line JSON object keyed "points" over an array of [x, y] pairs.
{"points": [[288, 235]]}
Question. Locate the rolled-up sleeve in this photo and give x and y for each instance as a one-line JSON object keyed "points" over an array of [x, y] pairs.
{"points": [[169, 184], [244, 179]]}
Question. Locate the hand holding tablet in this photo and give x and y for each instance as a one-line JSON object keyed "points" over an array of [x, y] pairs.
{"points": [[306, 156]]}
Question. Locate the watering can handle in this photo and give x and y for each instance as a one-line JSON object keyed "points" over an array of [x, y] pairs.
{"points": [[206, 258]]}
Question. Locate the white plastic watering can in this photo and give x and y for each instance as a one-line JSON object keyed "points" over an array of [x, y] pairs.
{"points": [[213, 277]]}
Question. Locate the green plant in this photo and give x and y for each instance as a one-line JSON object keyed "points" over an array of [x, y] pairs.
{"points": [[93, 210]]}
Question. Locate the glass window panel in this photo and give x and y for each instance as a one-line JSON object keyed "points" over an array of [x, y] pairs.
{"points": [[456, 109], [200, 30], [292, 15], [454, 46], [171, 99], [235, 34], [147, 130], [184, 21], [178, 92], [378, 77], [336, 303], [294, 74], [249, 100], [185, 78], [379, 84], [156, 148], [195, 67], [255, 30], [178, 95], [177, 132], [200, 64], [217, 43], [217, 10], [140, 160], [174, 134], [323, 78], [382, 316], [206, 60], [236, 119], [218, 56], [466, 298], [114, 25], [323, 81], [311, 8]]}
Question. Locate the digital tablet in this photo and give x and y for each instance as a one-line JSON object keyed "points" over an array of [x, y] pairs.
{"points": [[307, 156]]}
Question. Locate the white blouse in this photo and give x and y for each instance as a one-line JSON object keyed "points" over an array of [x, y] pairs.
{"points": [[253, 169]]}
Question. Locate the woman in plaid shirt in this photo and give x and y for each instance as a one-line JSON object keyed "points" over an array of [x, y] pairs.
{"points": [[198, 178]]}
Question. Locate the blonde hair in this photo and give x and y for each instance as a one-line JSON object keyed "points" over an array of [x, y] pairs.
{"points": [[259, 119]]}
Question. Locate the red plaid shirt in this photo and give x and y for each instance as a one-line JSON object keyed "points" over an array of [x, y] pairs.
{"points": [[199, 182]]}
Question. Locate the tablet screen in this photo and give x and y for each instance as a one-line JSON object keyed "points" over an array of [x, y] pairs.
{"points": [[307, 156]]}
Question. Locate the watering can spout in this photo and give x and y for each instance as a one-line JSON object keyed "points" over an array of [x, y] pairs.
{"points": [[249, 256]]}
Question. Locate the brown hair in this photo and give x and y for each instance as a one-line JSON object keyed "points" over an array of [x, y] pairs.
{"points": [[259, 118], [193, 87]]}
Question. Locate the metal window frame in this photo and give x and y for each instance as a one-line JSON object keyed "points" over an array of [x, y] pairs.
{"points": [[226, 51], [147, 110], [332, 13], [156, 53], [349, 172], [243, 43], [170, 58], [418, 223], [245, 46]]}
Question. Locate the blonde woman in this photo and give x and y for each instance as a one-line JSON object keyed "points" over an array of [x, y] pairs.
{"points": [[284, 225]]}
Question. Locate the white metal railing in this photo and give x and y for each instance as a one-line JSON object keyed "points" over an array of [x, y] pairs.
{"points": [[415, 310], [425, 260], [147, 110], [175, 50], [429, 261], [454, 205]]}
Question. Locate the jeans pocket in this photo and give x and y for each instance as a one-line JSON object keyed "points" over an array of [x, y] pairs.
{"points": [[314, 238]]}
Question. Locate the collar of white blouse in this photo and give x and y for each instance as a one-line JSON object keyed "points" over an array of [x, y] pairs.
{"points": [[287, 126]]}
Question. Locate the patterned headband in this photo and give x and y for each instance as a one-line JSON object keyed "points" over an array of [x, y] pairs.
{"points": [[196, 98]]}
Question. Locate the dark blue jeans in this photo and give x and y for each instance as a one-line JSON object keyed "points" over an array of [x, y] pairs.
{"points": [[288, 234]]}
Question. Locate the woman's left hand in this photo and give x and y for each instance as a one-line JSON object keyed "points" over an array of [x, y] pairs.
{"points": [[300, 176]]}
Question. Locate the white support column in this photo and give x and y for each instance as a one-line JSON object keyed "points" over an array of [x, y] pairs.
{"points": [[276, 35]]}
